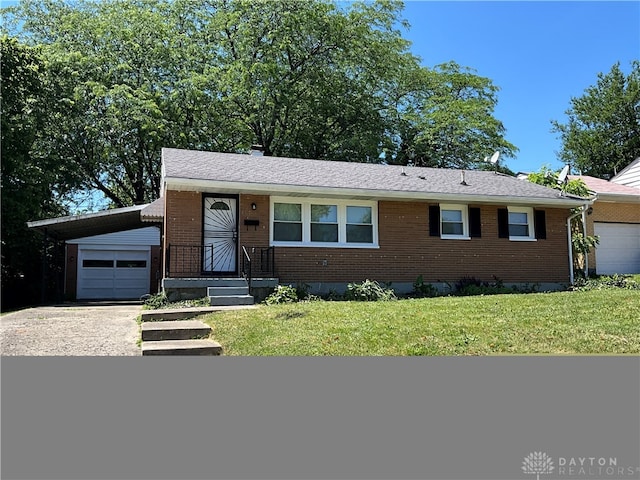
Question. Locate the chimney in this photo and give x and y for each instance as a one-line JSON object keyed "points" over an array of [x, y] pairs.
{"points": [[257, 150]]}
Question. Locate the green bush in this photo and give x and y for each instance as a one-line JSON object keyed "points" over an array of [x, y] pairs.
{"points": [[626, 282], [468, 286], [422, 290], [156, 301], [369, 291], [159, 300], [282, 294]]}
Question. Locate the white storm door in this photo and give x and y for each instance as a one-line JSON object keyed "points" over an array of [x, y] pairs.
{"points": [[220, 235]]}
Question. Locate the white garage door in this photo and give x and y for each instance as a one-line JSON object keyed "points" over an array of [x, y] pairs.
{"points": [[619, 248], [113, 274]]}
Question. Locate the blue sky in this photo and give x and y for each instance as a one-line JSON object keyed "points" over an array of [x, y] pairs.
{"points": [[540, 54]]}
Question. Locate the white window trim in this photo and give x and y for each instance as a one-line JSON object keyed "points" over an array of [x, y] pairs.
{"points": [[530, 226], [465, 221], [342, 222]]}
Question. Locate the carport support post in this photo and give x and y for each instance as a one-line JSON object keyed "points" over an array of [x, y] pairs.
{"points": [[45, 241]]}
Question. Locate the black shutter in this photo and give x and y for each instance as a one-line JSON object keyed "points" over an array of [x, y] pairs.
{"points": [[503, 223], [475, 225], [540, 224], [434, 220]]}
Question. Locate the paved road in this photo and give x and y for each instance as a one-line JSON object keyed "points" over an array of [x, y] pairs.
{"points": [[72, 330]]}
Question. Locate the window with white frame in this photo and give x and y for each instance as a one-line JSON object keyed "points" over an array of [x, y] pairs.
{"points": [[287, 222], [324, 223], [521, 223], [359, 224], [454, 221], [317, 222]]}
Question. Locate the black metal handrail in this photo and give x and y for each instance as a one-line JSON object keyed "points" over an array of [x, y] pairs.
{"points": [[189, 260], [199, 260], [268, 261], [246, 266]]}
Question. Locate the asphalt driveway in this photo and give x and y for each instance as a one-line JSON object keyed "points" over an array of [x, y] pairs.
{"points": [[98, 329]]}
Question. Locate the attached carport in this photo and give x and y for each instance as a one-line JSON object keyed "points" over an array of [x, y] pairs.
{"points": [[113, 254]]}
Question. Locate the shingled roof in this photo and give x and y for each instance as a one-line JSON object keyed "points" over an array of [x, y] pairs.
{"points": [[609, 190], [241, 173]]}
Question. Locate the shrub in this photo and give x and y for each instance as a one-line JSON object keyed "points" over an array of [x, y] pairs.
{"points": [[333, 296], [282, 294], [156, 301], [467, 286], [159, 300], [369, 291], [304, 295], [422, 290], [626, 282]]}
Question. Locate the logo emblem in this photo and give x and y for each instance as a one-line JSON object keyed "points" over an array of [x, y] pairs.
{"points": [[537, 463]]}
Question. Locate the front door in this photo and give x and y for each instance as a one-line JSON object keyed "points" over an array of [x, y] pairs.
{"points": [[220, 235]]}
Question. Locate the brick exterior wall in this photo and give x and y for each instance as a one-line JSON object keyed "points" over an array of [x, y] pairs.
{"points": [[610, 212], [406, 249]]}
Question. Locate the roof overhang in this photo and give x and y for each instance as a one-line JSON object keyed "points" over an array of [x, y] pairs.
{"points": [[190, 184], [98, 223]]}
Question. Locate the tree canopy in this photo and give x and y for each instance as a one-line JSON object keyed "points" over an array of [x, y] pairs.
{"points": [[315, 79], [602, 133], [31, 186]]}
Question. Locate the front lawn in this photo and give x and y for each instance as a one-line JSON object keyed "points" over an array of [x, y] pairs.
{"points": [[591, 322]]}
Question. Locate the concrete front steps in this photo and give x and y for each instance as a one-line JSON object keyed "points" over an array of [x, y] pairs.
{"points": [[181, 347], [229, 292], [174, 330], [181, 337]]}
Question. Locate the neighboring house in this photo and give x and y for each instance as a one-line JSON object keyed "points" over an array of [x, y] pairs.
{"points": [[630, 175], [325, 224], [114, 254], [615, 219]]}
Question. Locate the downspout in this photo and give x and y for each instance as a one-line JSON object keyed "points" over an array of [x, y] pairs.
{"points": [[584, 235]]}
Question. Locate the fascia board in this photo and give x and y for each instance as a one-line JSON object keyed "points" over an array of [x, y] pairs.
{"points": [[189, 184], [85, 216]]}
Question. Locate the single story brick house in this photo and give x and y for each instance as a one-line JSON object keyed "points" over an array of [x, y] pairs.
{"points": [[615, 219], [326, 223]]}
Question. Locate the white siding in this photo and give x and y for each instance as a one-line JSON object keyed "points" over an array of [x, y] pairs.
{"points": [[141, 236], [630, 176]]}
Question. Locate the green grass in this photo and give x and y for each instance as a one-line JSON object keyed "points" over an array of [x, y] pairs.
{"points": [[592, 322]]}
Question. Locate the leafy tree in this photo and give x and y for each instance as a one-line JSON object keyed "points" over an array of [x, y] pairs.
{"points": [[30, 185], [308, 78], [602, 134], [445, 119], [129, 82], [313, 79]]}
